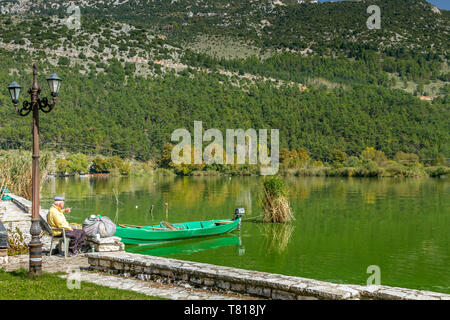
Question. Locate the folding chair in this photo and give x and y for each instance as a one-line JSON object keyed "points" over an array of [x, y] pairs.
{"points": [[60, 238]]}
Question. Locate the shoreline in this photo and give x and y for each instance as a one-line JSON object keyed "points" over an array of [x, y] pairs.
{"points": [[442, 172]]}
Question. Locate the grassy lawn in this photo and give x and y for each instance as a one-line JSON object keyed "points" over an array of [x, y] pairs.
{"points": [[19, 285]]}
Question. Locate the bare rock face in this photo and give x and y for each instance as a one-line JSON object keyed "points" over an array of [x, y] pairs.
{"points": [[436, 10]]}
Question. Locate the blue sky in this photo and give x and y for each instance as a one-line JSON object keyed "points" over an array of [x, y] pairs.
{"points": [[442, 4]]}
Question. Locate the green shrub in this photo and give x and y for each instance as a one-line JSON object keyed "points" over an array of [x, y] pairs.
{"points": [[438, 161], [437, 171], [78, 163], [114, 162], [396, 170], [368, 169], [338, 156], [125, 168], [99, 165], [352, 161], [62, 166], [64, 61]]}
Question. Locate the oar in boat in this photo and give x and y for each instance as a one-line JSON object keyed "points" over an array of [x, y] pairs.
{"points": [[168, 226], [223, 222], [133, 226]]}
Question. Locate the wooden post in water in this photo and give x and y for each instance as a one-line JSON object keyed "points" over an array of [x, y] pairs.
{"points": [[116, 195], [151, 211], [167, 210]]}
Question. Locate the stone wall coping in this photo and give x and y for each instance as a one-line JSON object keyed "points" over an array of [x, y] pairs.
{"points": [[22, 203], [25, 205], [283, 284]]}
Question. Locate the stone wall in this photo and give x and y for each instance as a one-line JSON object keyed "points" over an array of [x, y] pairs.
{"points": [[255, 283], [3, 245]]}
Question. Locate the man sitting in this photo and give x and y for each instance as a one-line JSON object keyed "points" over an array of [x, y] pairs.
{"points": [[56, 219]]}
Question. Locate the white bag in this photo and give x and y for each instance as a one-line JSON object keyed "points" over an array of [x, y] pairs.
{"points": [[99, 225]]}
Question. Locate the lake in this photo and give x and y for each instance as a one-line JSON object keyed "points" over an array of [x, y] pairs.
{"points": [[343, 225]]}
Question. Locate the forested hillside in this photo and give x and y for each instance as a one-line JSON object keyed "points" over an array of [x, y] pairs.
{"points": [[137, 70]]}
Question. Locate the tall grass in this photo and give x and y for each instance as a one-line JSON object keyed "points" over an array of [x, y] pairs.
{"points": [[16, 174], [276, 207]]}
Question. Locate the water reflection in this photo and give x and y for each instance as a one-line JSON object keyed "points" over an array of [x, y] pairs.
{"points": [[216, 191], [276, 236], [186, 246]]}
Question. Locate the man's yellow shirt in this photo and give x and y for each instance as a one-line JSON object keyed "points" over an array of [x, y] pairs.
{"points": [[56, 219]]}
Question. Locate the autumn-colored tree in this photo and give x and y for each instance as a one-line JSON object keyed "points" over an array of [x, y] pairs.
{"points": [[370, 153]]}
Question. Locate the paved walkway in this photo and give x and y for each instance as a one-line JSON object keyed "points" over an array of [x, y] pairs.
{"points": [[57, 263], [162, 290]]}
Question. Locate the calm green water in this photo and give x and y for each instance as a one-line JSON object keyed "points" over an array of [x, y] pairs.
{"points": [[342, 225]]}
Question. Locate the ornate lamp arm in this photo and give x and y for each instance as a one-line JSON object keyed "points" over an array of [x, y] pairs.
{"points": [[43, 104]]}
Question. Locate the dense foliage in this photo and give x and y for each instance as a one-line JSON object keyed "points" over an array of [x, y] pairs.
{"points": [[118, 98], [101, 113]]}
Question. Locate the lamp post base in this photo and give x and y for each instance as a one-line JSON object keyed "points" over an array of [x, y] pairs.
{"points": [[35, 249]]}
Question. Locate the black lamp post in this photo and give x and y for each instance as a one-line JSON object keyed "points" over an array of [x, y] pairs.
{"points": [[34, 105]]}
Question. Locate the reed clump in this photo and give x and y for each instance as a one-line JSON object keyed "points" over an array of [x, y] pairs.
{"points": [[276, 207], [15, 171]]}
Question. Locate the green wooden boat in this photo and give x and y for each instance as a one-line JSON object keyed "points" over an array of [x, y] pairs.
{"points": [[165, 232]]}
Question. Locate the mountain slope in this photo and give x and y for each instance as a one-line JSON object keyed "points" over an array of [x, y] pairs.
{"points": [[137, 70], [408, 23]]}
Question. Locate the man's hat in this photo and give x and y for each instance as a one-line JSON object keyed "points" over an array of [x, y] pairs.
{"points": [[60, 199]]}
